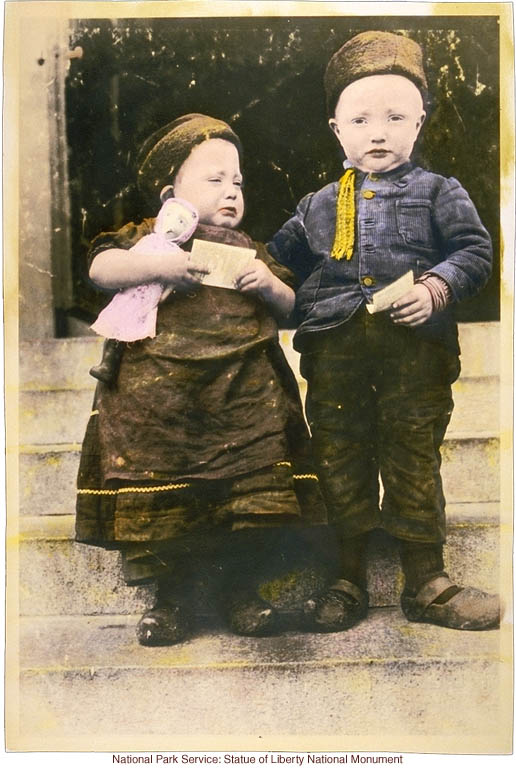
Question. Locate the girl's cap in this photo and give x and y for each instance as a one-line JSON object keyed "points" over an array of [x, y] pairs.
{"points": [[373, 53], [163, 153]]}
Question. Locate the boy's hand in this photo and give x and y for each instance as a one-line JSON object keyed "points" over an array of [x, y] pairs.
{"points": [[256, 279], [414, 308]]}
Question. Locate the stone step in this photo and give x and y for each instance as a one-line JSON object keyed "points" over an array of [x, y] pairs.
{"points": [[64, 363], [476, 406], [47, 474], [80, 579], [85, 681], [58, 363], [54, 416], [60, 415], [57, 391], [47, 479], [471, 469]]}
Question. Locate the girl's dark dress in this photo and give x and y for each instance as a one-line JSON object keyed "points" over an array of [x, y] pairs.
{"points": [[204, 425]]}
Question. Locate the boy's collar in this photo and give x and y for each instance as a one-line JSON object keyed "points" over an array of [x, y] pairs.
{"points": [[393, 175]]}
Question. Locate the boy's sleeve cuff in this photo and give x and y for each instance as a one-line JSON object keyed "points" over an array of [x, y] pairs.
{"points": [[439, 289]]}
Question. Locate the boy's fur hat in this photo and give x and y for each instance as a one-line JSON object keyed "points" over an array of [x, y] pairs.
{"points": [[373, 53], [163, 153]]}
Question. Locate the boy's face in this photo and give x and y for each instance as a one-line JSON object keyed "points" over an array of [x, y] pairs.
{"points": [[211, 181], [377, 121]]}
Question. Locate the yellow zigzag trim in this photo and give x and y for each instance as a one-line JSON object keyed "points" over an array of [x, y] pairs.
{"points": [[145, 489], [170, 486], [158, 488], [345, 218]]}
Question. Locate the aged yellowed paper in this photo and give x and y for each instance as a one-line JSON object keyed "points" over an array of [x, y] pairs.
{"points": [[84, 84]]}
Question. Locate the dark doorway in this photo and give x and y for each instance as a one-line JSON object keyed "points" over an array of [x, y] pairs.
{"points": [[264, 76]]}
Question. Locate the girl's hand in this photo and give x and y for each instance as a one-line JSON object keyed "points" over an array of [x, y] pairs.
{"points": [[414, 308], [117, 268], [256, 279], [178, 273]]}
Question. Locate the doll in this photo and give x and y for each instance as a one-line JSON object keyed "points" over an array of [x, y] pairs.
{"points": [[131, 314]]}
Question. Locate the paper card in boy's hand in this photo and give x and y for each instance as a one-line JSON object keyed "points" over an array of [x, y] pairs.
{"points": [[385, 298], [224, 262]]}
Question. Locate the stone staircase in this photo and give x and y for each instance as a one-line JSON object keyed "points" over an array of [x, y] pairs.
{"points": [[85, 682]]}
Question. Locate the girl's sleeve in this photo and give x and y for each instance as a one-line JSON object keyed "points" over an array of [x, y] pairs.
{"points": [[124, 238], [464, 240], [290, 247]]}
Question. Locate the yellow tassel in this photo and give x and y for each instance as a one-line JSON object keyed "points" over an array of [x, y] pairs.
{"points": [[345, 220]]}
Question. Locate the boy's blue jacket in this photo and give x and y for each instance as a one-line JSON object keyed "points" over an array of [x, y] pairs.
{"points": [[406, 219]]}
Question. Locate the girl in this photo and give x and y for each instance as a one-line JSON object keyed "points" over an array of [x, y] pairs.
{"points": [[204, 428]]}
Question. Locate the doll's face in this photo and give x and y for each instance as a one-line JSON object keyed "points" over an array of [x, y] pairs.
{"points": [[211, 181], [377, 121], [176, 220]]}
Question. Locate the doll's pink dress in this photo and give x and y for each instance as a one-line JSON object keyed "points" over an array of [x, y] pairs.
{"points": [[132, 313]]}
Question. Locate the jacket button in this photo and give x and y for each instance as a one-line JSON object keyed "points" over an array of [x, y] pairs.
{"points": [[368, 281], [368, 194]]}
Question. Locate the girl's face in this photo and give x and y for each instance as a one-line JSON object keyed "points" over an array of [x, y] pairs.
{"points": [[211, 181]]}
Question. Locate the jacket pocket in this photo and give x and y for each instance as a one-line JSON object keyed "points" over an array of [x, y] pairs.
{"points": [[414, 223]]}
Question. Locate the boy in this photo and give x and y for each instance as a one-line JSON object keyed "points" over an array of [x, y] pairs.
{"points": [[379, 385]]}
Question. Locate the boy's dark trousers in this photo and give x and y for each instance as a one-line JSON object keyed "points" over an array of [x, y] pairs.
{"points": [[379, 400]]}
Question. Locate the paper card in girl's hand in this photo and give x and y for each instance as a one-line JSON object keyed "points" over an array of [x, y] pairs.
{"points": [[225, 262]]}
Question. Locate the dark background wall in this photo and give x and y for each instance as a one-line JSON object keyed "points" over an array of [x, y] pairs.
{"points": [[264, 76]]}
